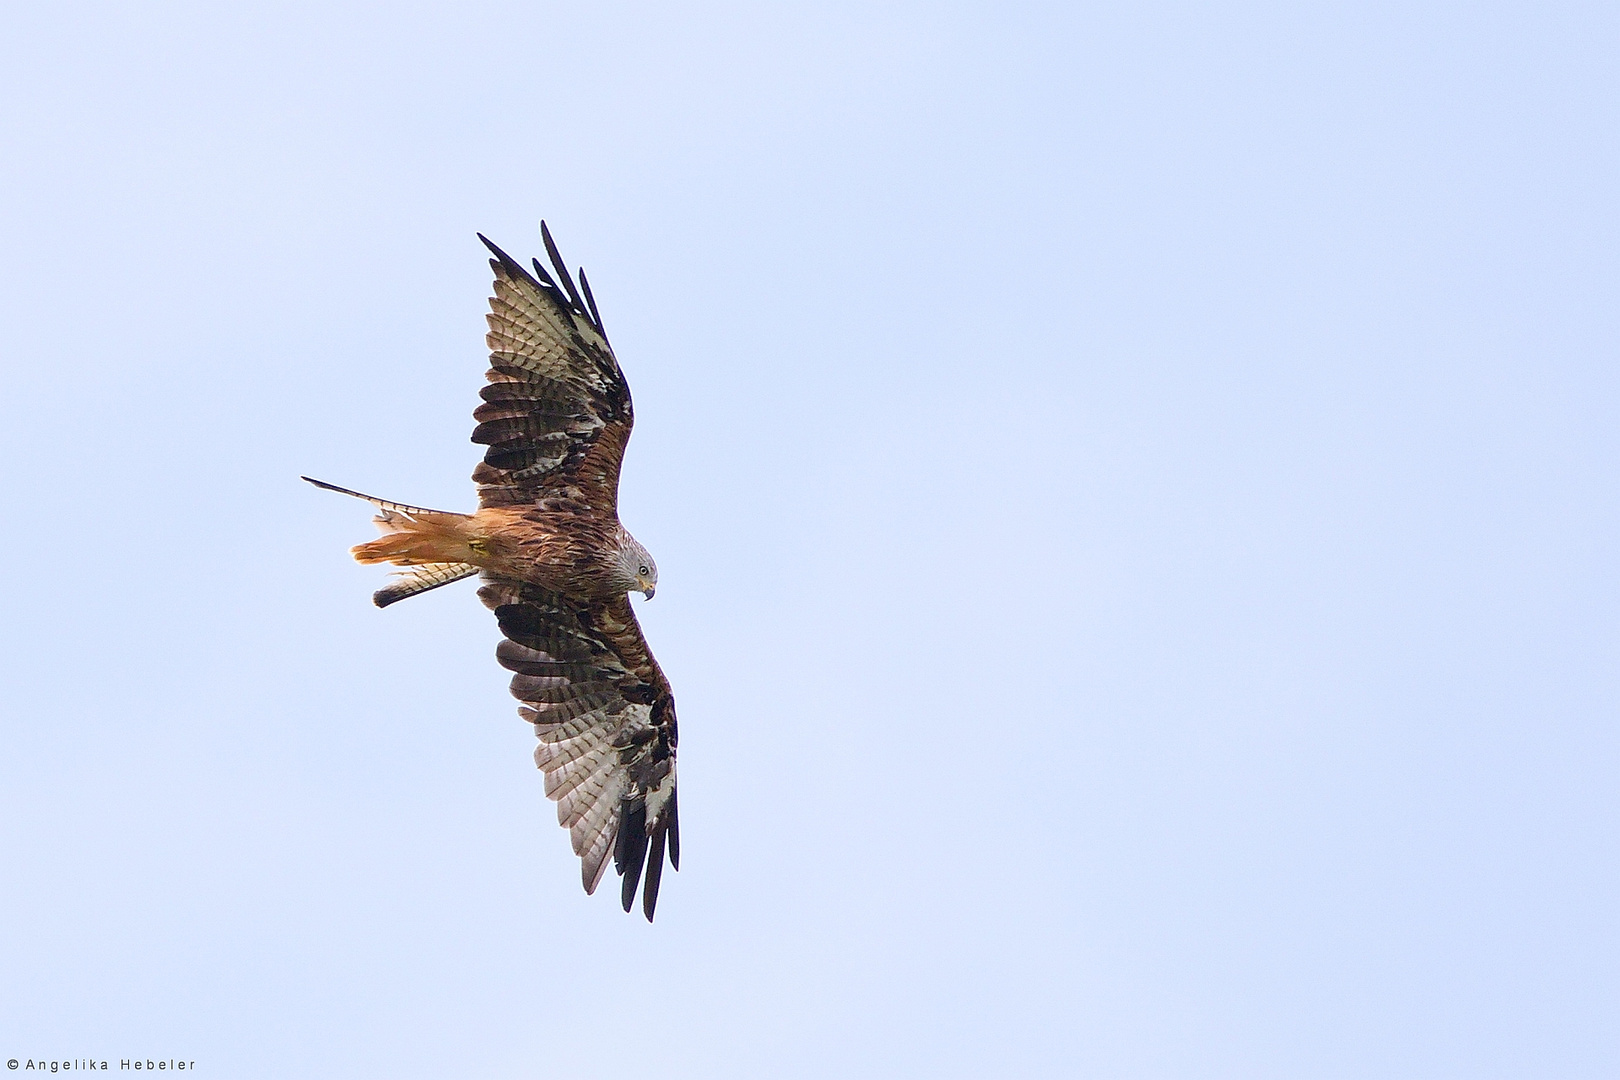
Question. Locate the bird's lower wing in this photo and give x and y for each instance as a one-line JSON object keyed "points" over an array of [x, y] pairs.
{"points": [[607, 734]]}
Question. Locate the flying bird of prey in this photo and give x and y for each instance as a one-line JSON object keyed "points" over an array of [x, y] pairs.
{"points": [[558, 569]]}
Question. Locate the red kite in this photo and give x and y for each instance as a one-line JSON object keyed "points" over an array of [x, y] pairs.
{"points": [[558, 569]]}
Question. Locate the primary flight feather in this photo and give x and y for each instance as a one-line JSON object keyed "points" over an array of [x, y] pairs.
{"points": [[558, 569]]}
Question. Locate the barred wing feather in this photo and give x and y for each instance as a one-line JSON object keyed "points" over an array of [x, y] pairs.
{"points": [[556, 413], [605, 718]]}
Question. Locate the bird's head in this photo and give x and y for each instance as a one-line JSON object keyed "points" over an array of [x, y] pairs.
{"points": [[635, 570]]}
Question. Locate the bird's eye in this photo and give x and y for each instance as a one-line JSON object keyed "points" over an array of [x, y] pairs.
{"points": [[645, 571]]}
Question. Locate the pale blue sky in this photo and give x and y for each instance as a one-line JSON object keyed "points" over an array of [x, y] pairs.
{"points": [[1134, 489]]}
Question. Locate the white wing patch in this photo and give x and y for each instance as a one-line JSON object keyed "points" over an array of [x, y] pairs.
{"points": [[528, 332]]}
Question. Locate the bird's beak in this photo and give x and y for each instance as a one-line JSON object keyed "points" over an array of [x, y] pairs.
{"points": [[648, 591]]}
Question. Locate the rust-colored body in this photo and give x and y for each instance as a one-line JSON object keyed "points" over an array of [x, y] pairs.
{"points": [[553, 547]]}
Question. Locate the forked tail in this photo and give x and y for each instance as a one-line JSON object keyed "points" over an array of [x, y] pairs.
{"points": [[434, 544]]}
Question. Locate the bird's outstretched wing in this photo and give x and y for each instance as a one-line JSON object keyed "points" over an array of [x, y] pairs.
{"points": [[556, 413], [606, 721]]}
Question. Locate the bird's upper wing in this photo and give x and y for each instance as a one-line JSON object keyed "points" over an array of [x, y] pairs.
{"points": [[556, 413], [606, 721]]}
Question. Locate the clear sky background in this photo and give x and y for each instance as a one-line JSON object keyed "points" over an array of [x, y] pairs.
{"points": [[1134, 488]]}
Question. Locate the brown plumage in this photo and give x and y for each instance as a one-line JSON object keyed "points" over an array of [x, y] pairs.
{"points": [[557, 569]]}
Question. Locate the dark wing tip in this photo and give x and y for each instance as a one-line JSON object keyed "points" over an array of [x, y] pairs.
{"points": [[544, 276], [674, 832], [561, 268], [596, 316], [503, 261], [630, 851], [655, 870], [496, 251]]}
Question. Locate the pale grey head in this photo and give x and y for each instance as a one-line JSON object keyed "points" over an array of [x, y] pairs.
{"points": [[634, 569]]}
